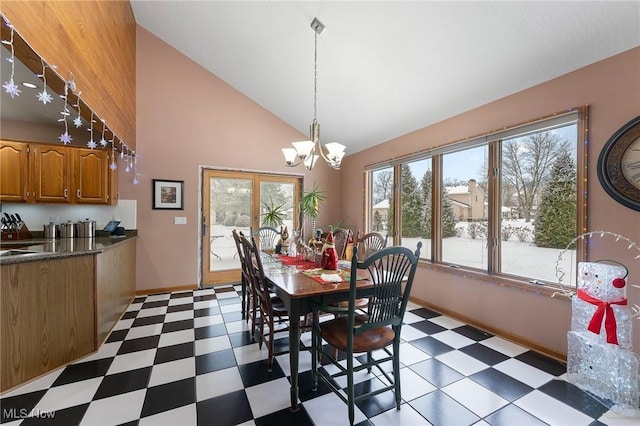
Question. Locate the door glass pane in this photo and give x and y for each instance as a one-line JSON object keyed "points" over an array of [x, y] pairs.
{"points": [[381, 209], [230, 208], [277, 197], [464, 207], [416, 205], [539, 203]]}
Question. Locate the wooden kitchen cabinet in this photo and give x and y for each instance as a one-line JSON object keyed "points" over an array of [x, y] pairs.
{"points": [[56, 310], [91, 176], [14, 171], [50, 177], [47, 317], [32, 172]]}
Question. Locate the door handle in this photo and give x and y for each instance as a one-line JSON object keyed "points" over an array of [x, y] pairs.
{"points": [[204, 225]]}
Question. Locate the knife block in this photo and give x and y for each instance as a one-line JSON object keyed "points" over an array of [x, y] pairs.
{"points": [[21, 234]]}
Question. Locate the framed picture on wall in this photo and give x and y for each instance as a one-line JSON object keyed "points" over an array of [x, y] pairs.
{"points": [[168, 194]]}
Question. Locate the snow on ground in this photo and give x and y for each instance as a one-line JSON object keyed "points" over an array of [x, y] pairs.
{"points": [[519, 258]]}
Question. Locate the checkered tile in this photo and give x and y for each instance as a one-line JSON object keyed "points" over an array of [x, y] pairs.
{"points": [[188, 358]]}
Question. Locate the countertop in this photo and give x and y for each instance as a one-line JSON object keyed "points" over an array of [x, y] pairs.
{"points": [[40, 249]]}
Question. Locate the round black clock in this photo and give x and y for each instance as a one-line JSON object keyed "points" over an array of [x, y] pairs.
{"points": [[619, 165]]}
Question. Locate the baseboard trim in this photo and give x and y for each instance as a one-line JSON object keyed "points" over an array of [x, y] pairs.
{"points": [[558, 356], [149, 291]]}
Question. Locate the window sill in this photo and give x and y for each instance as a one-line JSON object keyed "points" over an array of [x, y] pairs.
{"points": [[503, 281]]}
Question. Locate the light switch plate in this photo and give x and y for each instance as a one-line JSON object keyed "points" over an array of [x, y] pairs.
{"points": [[179, 220]]}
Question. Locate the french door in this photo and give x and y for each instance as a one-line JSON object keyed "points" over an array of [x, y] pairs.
{"points": [[237, 200]]}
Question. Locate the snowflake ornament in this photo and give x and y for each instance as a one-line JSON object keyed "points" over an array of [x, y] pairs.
{"points": [[91, 144], [113, 166], [135, 181], [44, 97], [77, 121], [103, 142], [11, 88], [65, 138]]}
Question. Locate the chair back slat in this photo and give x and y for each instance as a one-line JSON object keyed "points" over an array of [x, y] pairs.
{"points": [[388, 269]]}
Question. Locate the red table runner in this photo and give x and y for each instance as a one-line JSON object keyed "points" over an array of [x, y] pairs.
{"points": [[301, 264]]}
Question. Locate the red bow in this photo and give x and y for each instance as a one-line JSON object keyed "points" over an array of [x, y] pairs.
{"points": [[604, 311]]}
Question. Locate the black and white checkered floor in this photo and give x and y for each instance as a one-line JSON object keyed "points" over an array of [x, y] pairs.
{"points": [[187, 358]]}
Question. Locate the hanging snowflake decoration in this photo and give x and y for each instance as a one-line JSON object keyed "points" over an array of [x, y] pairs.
{"points": [[91, 144], [126, 160], [103, 141], [113, 164], [9, 86], [135, 180], [65, 138], [78, 120], [44, 96]]}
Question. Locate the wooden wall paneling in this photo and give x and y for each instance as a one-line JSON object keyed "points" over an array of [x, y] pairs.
{"points": [[47, 318], [94, 40], [115, 285]]}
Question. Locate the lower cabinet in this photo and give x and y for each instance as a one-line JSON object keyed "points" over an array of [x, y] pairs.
{"points": [[46, 318], [116, 285], [57, 310]]}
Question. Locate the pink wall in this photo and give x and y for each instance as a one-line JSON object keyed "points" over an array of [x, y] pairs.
{"points": [[611, 88], [187, 118]]}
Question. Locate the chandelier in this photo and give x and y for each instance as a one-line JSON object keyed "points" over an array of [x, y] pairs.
{"points": [[307, 152]]}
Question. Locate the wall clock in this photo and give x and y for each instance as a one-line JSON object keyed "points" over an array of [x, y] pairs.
{"points": [[619, 165]]}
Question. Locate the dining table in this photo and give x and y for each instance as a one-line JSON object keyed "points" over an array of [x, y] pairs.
{"points": [[300, 289]]}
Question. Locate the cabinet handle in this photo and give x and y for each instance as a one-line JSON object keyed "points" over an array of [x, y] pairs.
{"points": [[78, 193], [66, 193]]}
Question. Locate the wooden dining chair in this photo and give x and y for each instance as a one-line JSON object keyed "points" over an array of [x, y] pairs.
{"points": [[266, 237], [271, 308], [250, 294], [340, 240], [367, 245], [370, 242], [391, 271]]}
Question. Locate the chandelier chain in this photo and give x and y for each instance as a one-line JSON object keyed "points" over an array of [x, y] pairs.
{"points": [[315, 76]]}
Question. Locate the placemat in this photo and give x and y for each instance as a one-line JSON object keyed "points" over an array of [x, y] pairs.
{"points": [[315, 274]]}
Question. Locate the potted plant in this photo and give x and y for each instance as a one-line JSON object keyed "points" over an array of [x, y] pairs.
{"points": [[310, 206], [273, 215]]}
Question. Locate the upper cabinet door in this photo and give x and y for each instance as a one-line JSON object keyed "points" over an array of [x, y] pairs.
{"points": [[91, 176], [14, 171], [51, 174]]}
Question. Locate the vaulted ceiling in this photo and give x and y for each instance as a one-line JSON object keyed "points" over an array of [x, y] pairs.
{"points": [[387, 68]]}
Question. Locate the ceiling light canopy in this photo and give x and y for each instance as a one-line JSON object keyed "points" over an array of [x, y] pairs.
{"points": [[307, 152]]}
